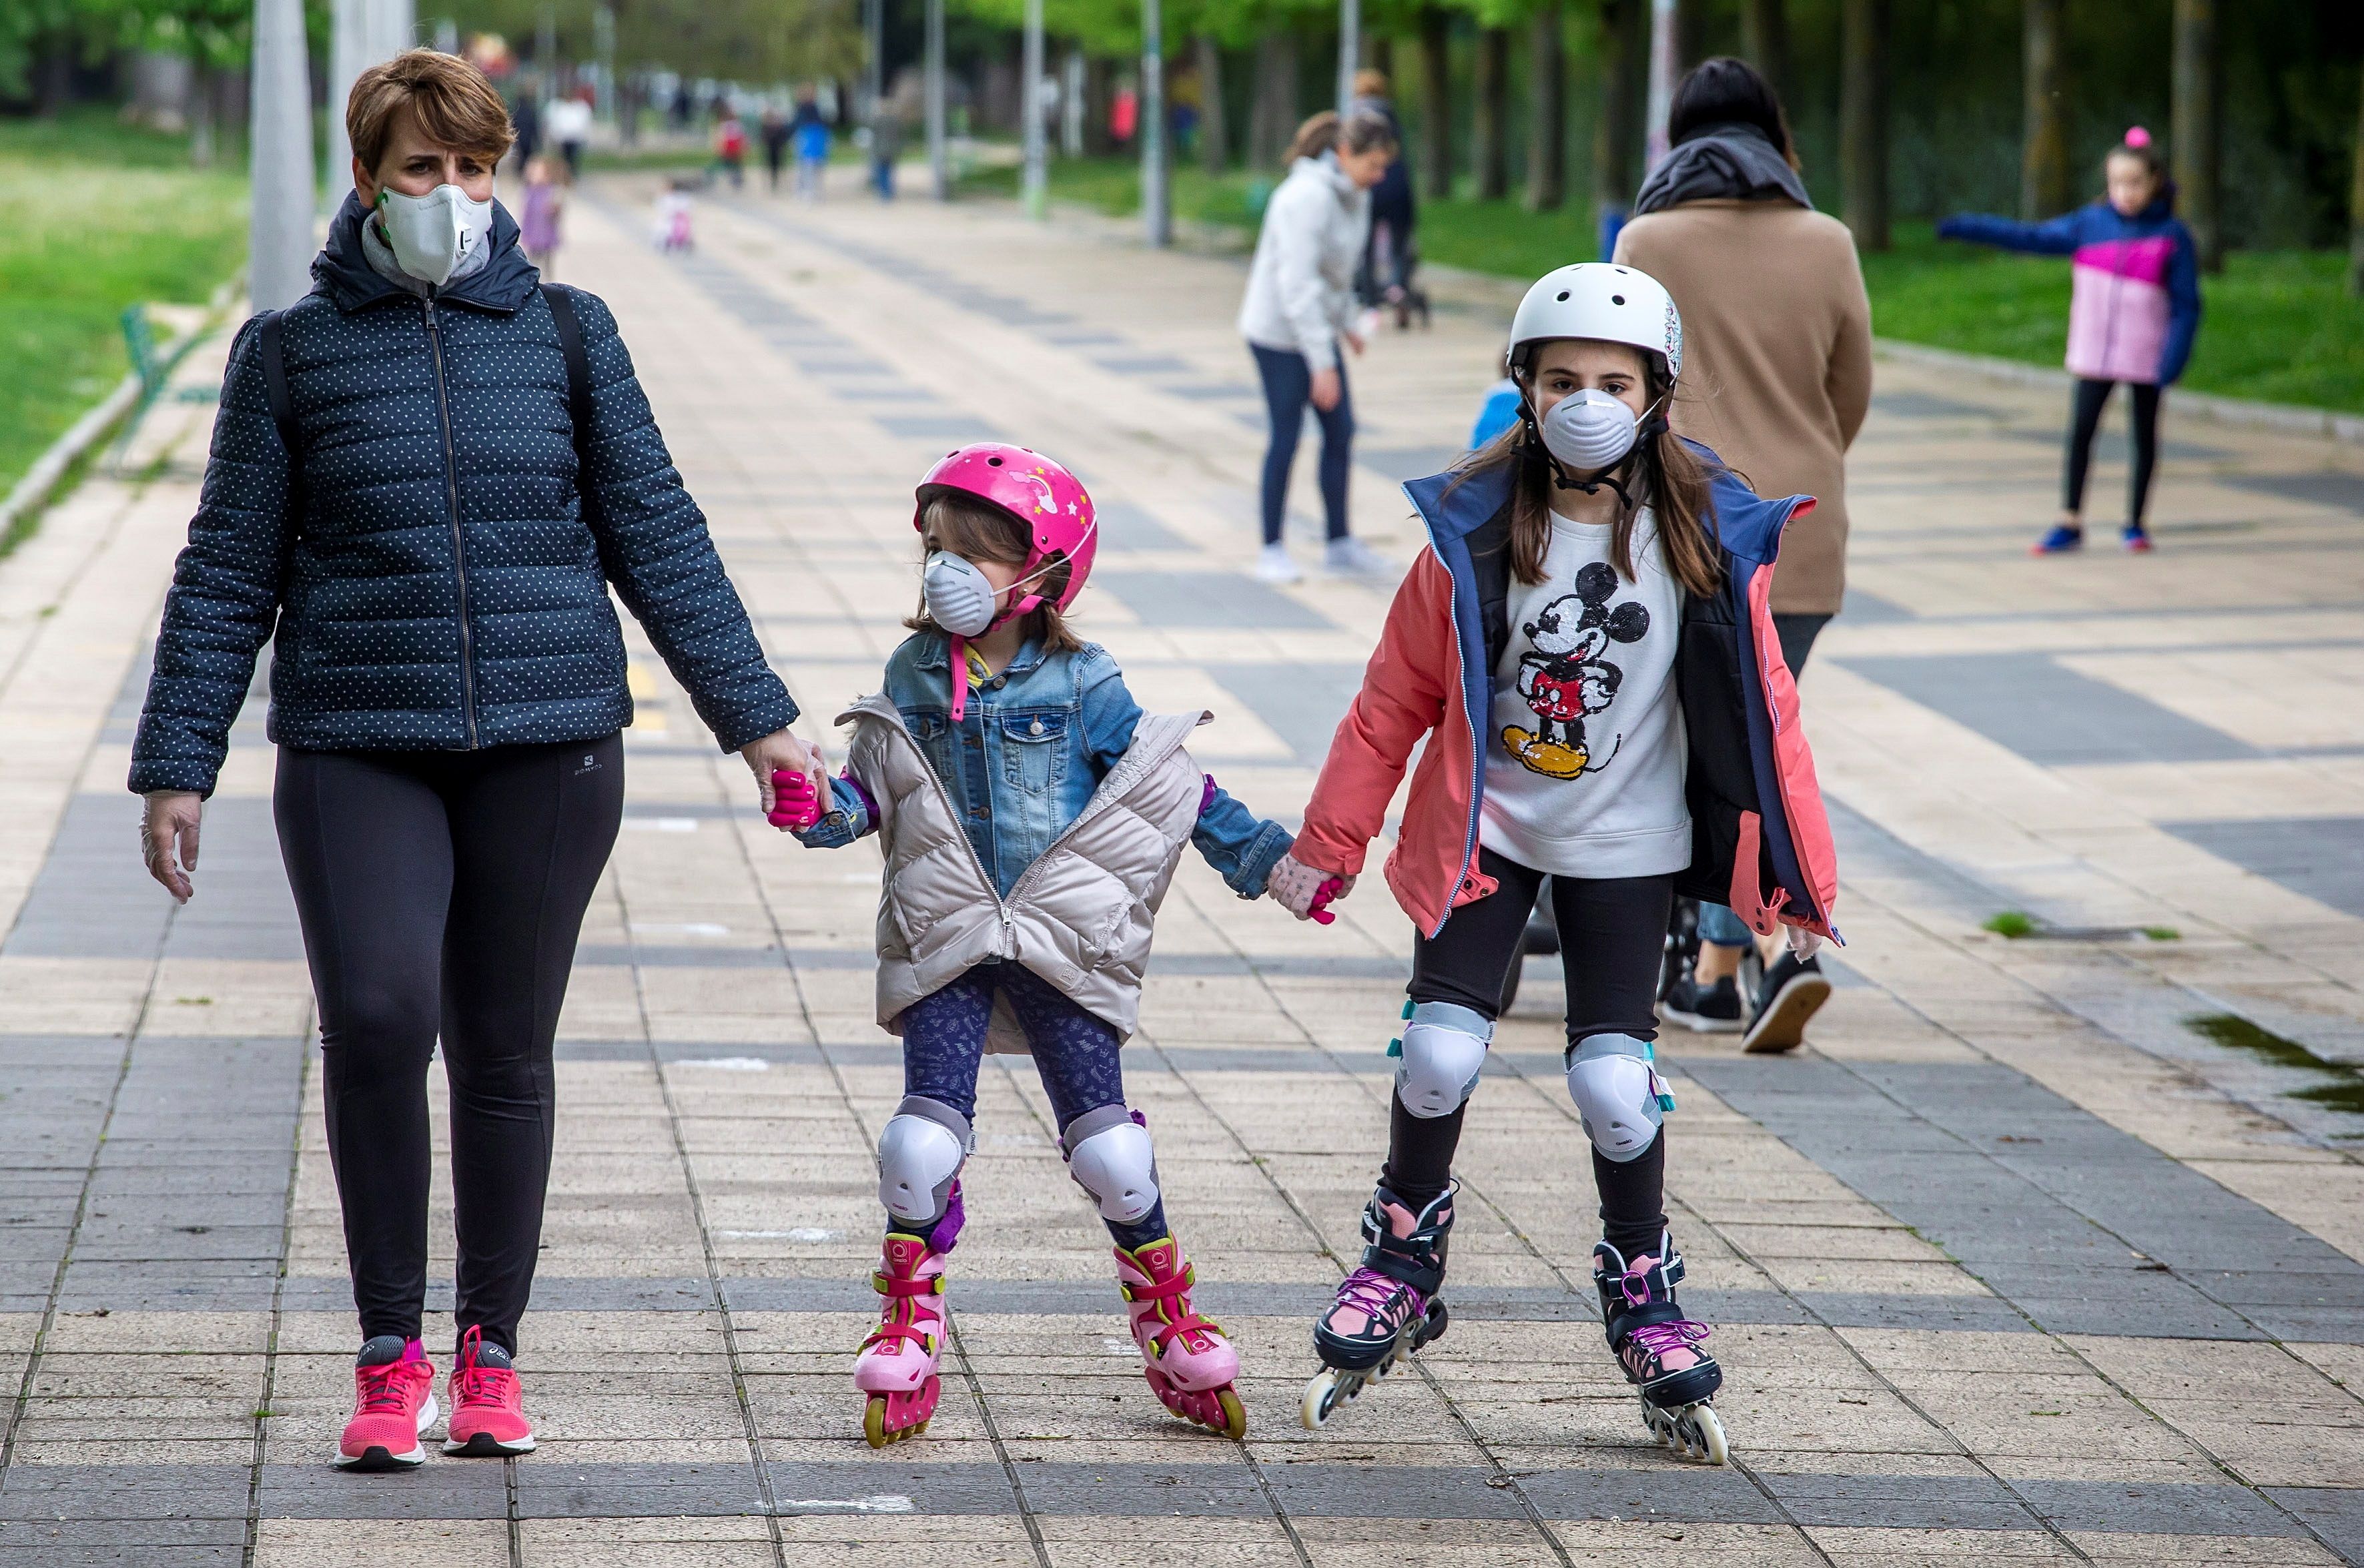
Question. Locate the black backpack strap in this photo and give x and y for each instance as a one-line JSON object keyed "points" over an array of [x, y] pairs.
{"points": [[268, 345], [275, 380], [578, 361]]}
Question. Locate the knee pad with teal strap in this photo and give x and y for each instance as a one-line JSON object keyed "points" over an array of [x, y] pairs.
{"points": [[1441, 1053]]}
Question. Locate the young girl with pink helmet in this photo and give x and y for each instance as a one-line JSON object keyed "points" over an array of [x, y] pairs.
{"points": [[1032, 817]]}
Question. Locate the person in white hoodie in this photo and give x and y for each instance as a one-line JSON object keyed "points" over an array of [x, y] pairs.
{"points": [[1300, 305]]}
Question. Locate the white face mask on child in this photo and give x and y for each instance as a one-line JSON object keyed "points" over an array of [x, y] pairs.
{"points": [[958, 597], [1590, 430]]}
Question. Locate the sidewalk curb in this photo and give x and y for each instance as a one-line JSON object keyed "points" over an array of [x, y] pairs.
{"points": [[2284, 419], [35, 490]]}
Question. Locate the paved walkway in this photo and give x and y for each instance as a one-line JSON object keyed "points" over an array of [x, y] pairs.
{"points": [[2014, 1263]]}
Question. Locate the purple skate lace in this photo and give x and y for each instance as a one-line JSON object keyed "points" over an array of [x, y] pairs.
{"points": [[1368, 1291], [1680, 1334]]}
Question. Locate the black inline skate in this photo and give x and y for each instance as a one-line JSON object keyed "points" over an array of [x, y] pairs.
{"points": [[1659, 1348], [1385, 1309]]}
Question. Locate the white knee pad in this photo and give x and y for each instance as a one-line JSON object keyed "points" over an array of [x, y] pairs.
{"points": [[921, 1151], [1618, 1094], [1110, 1156], [1444, 1048]]}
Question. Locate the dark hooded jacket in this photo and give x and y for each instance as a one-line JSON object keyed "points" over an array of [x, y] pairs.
{"points": [[437, 573]]}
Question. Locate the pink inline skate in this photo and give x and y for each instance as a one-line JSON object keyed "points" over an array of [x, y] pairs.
{"points": [[898, 1365], [1185, 1358]]}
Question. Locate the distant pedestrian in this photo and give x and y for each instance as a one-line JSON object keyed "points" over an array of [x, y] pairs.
{"points": [[774, 131], [730, 147], [569, 124], [1777, 329], [811, 131], [1300, 306], [539, 217], [1391, 254], [673, 231], [886, 145], [403, 500], [526, 115], [2131, 318]]}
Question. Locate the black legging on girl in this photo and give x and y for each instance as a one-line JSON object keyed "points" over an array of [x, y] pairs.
{"points": [[441, 895], [1612, 936], [2085, 418]]}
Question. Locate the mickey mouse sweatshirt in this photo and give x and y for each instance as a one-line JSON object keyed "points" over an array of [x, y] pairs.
{"points": [[1586, 754]]}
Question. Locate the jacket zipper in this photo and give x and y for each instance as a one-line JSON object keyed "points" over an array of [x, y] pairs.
{"points": [[459, 544], [944, 798]]}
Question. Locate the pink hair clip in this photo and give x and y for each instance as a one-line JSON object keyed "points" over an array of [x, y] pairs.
{"points": [[2137, 137]]}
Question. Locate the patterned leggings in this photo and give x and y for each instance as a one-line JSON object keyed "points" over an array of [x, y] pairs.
{"points": [[1078, 1056]]}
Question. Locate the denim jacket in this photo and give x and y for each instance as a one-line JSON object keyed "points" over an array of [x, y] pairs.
{"points": [[1034, 742]]}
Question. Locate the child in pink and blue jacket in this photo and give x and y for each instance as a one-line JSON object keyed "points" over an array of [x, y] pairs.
{"points": [[2131, 317]]}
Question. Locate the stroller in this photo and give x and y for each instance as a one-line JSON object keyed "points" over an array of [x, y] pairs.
{"points": [[1390, 257]]}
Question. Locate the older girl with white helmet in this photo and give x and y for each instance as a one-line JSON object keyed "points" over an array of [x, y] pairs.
{"points": [[1588, 646], [1030, 816]]}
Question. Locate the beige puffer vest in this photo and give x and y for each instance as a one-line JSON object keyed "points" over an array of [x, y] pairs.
{"points": [[1080, 917]]}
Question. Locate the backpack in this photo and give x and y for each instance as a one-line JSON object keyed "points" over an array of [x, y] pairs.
{"points": [[561, 299]]}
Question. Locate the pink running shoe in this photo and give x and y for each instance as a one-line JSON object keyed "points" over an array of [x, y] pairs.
{"points": [[393, 1402], [1187, 1361], [487, 1404], [898, 1365]]}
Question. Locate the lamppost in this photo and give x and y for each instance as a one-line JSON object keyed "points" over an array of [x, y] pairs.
{"points": [[1156, 197], [279, 159], [1037, 188], [1350, 51], [939, 158]]}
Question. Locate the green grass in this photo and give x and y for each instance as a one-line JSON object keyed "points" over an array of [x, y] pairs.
{"points": [[95, 217], [2278, 326], [2012, 924], [2345, 1092]]}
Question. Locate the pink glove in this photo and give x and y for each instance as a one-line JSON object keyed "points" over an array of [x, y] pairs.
{"points": [[1305, 892], [794, 803]]}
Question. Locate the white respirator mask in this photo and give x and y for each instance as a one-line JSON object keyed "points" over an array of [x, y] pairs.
{"points": [[434, 236], [958, 597], [1590, 430]]}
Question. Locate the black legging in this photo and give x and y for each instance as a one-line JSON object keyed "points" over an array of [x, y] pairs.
{"points": [[2085, 418], [441, 892], [1288, 394], [1611, 936]]}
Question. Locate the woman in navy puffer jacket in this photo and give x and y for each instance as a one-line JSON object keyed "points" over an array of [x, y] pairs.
{"points": [[429, 539]]}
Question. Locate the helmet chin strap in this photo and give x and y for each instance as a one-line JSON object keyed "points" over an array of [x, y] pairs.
{"points": [[960, 644]]}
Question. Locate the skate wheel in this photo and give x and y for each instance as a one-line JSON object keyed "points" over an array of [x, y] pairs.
{"points": [[1703, 1434], [1321, 1395], [1217, 1410], [892, 1418]]}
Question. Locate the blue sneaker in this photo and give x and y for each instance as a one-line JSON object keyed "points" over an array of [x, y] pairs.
{"points": [[2134, 538], [2062, 537]]}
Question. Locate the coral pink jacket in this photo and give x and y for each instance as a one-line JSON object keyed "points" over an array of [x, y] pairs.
{"points": [[1761, 842]]}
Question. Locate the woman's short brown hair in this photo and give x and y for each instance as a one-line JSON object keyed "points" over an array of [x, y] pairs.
{"points": [[455, 106]]}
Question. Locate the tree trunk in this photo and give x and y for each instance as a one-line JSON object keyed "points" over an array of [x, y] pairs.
{"points": [[1690, 34], [1547, 109], [2355, 209], [53, 80], [1435, 169], [2196, 145], [1764, 40], [1214, 138], [2045, 186], [1099, 96], [1272, 120], [1863, 120], [201, 115], [1490, 127], [1380, 50], [1624, 55]]}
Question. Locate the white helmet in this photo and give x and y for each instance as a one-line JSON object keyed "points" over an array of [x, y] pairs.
{"points": [[1603, 301]]}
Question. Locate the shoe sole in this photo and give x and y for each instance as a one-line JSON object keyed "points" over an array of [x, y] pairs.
{"points": [[484, 1445], [1781, 1025], [1701, 1023]]}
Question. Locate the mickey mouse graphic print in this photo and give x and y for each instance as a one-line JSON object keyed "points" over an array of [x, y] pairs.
{"points": [[1584, 769]]}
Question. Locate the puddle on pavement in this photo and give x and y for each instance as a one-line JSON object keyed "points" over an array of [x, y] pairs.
{"points": [[2345, 1092]]}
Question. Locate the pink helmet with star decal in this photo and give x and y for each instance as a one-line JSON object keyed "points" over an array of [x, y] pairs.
{"points": [[1039, 493]]}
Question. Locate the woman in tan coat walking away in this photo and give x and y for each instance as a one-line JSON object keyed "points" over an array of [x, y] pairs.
{"points": [[1778, 336]]}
